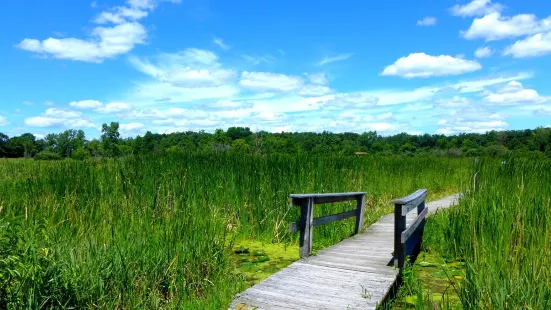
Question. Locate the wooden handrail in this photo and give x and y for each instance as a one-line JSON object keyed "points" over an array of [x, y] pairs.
{"points": [[307, 221], [402, 207]]}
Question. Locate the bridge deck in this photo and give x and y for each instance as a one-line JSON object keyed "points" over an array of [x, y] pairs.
{"points": [[353, 274]]}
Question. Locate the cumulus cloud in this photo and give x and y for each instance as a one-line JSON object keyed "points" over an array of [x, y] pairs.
{"points": [[513, 93], [85, 104], [427, 21], [494, 26], [54, 117], [470, 119], [483, 52], [476, 8], [422, 65], [114, 107], [189, 68], [536, 45], [3, 121], [120, 37]]}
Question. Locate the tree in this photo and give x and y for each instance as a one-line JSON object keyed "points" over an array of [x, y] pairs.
{"points": [[240, 146], [4, 139], [110, 139]]}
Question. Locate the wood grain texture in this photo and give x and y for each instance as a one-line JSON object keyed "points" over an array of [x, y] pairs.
{"points": [[294, 227], [353, 274]]}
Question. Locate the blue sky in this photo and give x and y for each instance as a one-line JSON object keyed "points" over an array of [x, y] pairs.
{"points": [[435, 66]]}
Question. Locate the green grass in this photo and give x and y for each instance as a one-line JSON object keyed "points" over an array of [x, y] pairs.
{"points": [[502, 236], [161, 231]]}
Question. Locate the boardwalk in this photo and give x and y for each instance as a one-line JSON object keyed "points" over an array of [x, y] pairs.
{"points": [[353, 274]]}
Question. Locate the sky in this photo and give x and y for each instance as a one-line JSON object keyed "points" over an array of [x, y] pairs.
{"points": [[426, 66]]}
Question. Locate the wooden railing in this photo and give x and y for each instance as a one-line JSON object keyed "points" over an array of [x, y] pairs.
{"points": [[307, 221], [402, 233]]}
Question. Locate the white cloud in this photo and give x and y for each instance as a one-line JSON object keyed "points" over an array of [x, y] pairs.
{"points": [[103, 42], [221, 43], [427, 21], [131, 127], [115, 107], [356, 100], [314, 90], [339, 57], [483, 52], [543, 111], [38, 135], [191, 68], [59, 113], [476, 8], [48, 103], [286, 128], [86, 104], [318, 78], [494, 26], [255, 60], [267, 81], [454, 102], [536, 45], [54, 117], [225, 105], [514, 94], [423, 65], [3, 121]]}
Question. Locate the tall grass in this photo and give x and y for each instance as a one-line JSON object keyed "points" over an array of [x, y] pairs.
{"points": [[156, 232], [503, 234]]}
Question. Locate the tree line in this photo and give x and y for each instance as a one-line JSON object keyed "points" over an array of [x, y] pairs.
{"points": [[73, 143]]}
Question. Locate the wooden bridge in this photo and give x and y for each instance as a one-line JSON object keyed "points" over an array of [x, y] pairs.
{"points": [[357, 273]]}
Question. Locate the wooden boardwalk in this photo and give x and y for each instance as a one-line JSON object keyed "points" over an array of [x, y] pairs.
{"points": [[356, 273]]}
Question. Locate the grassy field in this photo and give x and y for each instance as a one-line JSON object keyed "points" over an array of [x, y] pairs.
{"points": [[162, 232], [493, 251]]}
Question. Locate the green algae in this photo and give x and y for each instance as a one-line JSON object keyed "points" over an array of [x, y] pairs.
{"points": [[261, 260], [432, 282]]}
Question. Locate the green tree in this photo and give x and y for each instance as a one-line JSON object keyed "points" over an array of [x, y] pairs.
{"points": [[110, 139]]}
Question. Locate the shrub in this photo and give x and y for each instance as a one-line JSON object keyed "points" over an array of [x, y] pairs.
{"points": [[47, 155], [81, 154]]}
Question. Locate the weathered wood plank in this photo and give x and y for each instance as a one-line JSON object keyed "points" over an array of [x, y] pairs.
{"points": [[339, 277], [360, 209], [307, 225], [295, 226], [328, 198], [412, 201], [413, 227]]}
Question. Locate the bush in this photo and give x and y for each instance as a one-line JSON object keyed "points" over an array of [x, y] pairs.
{"points": [[47, 155], [81, 154]]}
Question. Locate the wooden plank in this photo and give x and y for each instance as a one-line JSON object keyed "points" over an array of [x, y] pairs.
{"points": [[409, 231], [294, 227], [416, 198], [399, 246], [338, 276], [306, 223], [327, 195], [360, 209]]}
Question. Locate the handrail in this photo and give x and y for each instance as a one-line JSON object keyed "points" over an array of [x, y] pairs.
{"points": [[402, 207], [307, 221]]}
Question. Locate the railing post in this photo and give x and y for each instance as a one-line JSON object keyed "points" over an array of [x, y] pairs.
{"points": [[399, 227], [360, 209], [306, 226]]}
